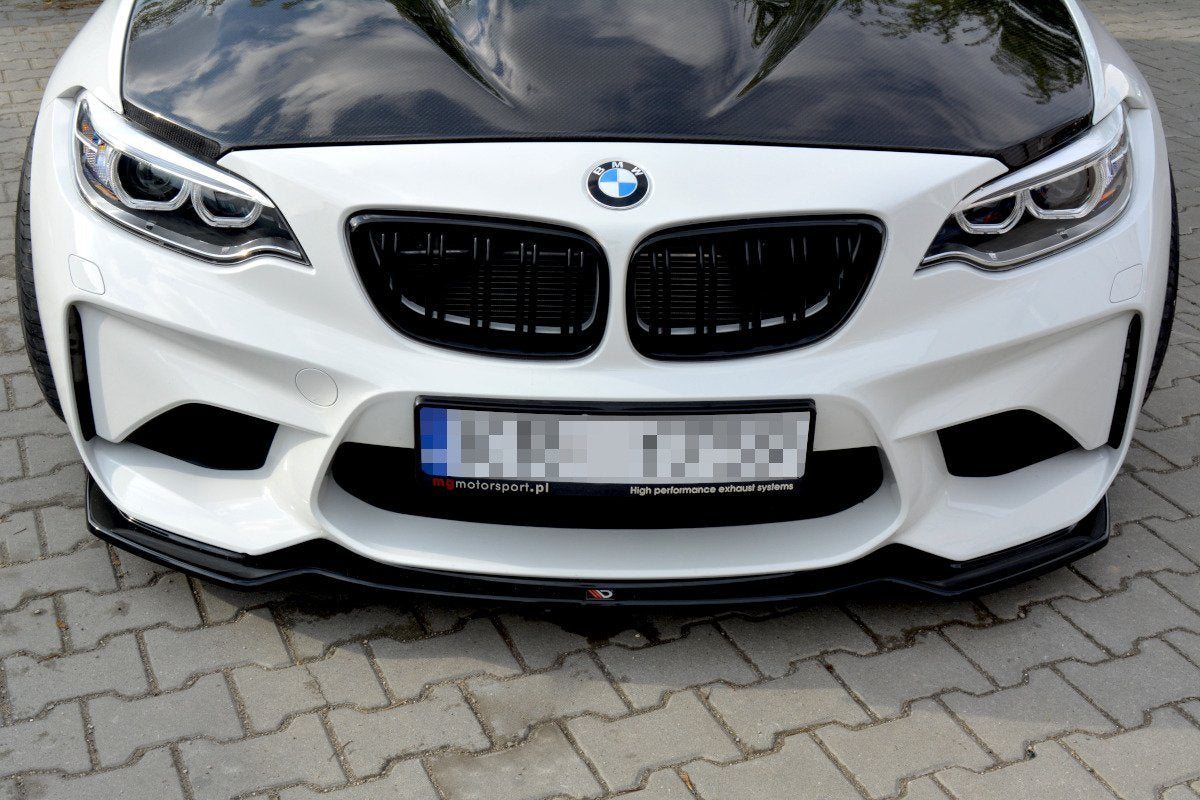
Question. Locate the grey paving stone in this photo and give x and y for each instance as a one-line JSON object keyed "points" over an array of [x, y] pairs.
{"points": [[177, 655], [1172, 405], [1184, 535], [406, 781], [133, 571], [924, 789], [1139, 763], [122, 726], [313, 630], [441, 720], [1118, 620], [300, 753], [1187, 643], [10, 459], [1181, 792], [1174, 446], [54, 742], [25, 389], [625, 749], [19, 537], [544, 766], [798, 769], [1181, 487], [881, 755], [116, 667], [1130, 501], [1186, 587], [222, 604], [1006, 650], [93, 617], [32, 630], [1009, 720], [808, 697], [512, 706], [152, 777], [1136, 550], [774, 644], [63, 486], [541, 642], [88, 568], [47, 453], [887, 681], [703, 656], [64, 528], [442, 616], [8, 789], [475, 650], [345, 677], [892, 621], [1129, 687], [664, 785], [1051, 775], [1009, 603]]}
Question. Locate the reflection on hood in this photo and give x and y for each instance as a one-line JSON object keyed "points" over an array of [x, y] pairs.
{"points": [[1004, 78]]}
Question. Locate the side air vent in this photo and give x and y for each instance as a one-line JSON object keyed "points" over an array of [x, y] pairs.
{"points": [[488, 286], [1129, 364], [208, 436], [1002, 443], [750, 287]]}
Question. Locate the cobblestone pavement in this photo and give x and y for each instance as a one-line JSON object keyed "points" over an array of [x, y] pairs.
{"points": [[119, 679]]}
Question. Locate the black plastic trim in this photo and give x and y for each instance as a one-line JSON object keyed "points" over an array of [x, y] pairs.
{"points": [[893, 567]]}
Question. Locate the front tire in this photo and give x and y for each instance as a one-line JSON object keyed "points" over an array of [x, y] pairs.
{"points": [[1168, 316], [31, 321]]}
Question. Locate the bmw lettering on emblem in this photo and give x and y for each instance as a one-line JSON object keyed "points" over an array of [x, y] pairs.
{"points": [[618, 184]]}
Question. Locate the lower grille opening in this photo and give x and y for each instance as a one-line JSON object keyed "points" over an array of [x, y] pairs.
{"points": [[835, 481], [208, 436], [1120, 420], [1002, 443]]}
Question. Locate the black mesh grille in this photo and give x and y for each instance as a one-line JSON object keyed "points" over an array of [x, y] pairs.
{"points": [[484, 285], [713, 291]]}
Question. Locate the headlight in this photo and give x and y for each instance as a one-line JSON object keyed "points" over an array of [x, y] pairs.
{"points": [[170, 197], [1067, 197]]}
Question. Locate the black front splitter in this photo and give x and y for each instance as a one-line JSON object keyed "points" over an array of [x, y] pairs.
{"points": [[893, 566]]}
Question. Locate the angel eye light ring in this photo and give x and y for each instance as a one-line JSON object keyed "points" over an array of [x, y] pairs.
{"points": [[118, 187], [1100, 186], [1020, 202], [201, 209]]}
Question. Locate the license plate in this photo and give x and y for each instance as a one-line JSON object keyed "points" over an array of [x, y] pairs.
{"points": [[627, 447]]}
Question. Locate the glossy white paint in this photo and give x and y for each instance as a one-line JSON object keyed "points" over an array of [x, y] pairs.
{"points": [[925, 350]]}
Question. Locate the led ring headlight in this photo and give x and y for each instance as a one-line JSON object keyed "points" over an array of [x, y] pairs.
{"points": [[170, 197], [1068, 196]]}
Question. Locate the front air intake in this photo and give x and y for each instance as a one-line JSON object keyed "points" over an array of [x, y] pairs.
{"points": [[1002, 443], [483, 285], [207, 436], [749, 287]]}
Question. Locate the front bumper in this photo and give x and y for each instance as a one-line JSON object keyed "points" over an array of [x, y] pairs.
{"points": [[925, 351], [891, 567]]}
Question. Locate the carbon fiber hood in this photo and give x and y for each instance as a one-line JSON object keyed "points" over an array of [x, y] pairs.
{"points": [[1005, 78]]}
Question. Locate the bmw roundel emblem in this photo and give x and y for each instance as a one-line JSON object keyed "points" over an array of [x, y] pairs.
{"points": [[618, 184]]}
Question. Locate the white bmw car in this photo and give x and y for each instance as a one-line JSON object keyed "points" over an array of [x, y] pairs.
{"points": [[596, 301]]}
